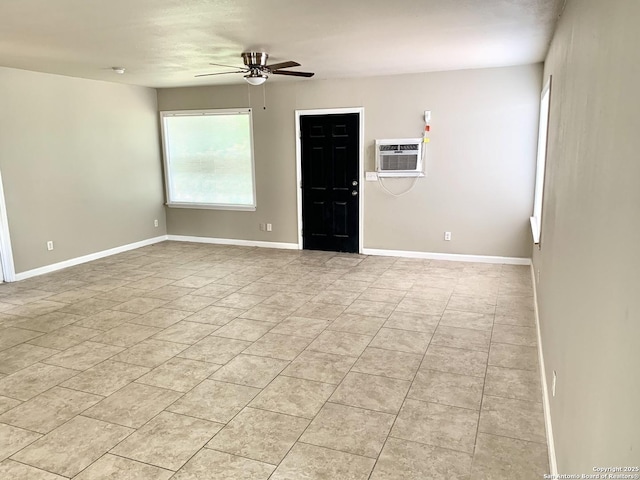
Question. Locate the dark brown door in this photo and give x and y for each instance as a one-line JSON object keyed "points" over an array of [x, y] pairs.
{"points": [[330, 183]]}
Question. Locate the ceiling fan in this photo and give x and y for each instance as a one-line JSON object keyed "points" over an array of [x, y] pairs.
{"points": [[257, 69]]}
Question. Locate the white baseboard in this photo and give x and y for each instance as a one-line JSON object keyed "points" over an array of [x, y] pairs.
{"points": [[88, 258], [233, 241], [553, 465], [455, 257]]}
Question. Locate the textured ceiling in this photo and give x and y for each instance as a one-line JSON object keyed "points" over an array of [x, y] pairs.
{"points": [[164, 43]]}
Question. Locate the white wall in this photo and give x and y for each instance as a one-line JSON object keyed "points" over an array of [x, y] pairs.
{"points": [[80, 161], [589, 260], [480, 165]]}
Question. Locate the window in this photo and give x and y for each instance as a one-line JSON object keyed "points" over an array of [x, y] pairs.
{"points": [[536, 219], [208, 157]]}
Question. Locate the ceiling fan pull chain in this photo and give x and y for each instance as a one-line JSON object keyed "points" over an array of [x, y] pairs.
{"points": [[249, 94], [264, 96]]}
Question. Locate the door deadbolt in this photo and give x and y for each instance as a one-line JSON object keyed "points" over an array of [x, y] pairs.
{"points": [[354, 193]]}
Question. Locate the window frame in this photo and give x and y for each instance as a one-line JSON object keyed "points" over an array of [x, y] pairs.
{"points": [[541, 162], [167, 161]]}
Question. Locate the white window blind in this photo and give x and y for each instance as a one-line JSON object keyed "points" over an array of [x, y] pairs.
{"points": [[536, 219]]}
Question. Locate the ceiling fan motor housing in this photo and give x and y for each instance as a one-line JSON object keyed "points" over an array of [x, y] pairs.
{"points": [[255, 59]]}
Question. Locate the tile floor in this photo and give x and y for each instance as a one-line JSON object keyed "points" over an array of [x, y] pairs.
{"points": [[190, 361]]}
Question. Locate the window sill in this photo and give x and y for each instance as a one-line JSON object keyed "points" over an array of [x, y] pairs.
{"points": [[535, 230], [212, 206]]}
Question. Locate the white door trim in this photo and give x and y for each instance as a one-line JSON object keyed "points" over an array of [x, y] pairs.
{"points": [[332, 111], [6, 253]]}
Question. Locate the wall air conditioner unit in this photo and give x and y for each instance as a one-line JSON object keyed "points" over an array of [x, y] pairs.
{"points": [[400, 157]]}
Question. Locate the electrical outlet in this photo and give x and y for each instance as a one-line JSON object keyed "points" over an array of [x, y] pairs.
{"points": [[262, 227], [538, 276], [553, 384], [447, 236], [155, 222], [49, 245], [269, 227]]}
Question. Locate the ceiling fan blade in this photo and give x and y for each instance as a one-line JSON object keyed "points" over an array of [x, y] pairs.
{"points": [[293, 74], [276, 66], [223, 65], [219, 73]]}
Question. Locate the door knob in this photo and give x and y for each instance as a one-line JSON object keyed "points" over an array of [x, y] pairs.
{"points": [[354, 193], [354, 183]]}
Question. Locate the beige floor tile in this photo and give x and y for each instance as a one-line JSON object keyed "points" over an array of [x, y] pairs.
{"points": [[401, 340], [283, 347], [502, 458], [31, 381], [21, 356], [455, 360], [382, 295], [169, 292], [293, 396], [168, 440], [512, 418], [422, 306], [90, 306], [186, 332], [7, 403], [133, 405], [37, 308], [321, 311], [193, 281], [300, 327], [462, 338], [357, 324], [513, 356], [49, 410], [214, 401], [516, 307], [512, 383], [13, 336], [72, 447], [250, 370], [416, 322], [240, 300], [470, 320], [266, 313], [49, 322], [216, 291], [464, 303], [19, 471], [105, 320], [213, 465], [179, 374], [340, 343], [126, 335], [401, 459], [190, 303], [388, 363], [260, 435], [370, 309], [244, 329], [320, 367], [14, 439], [438, 425], [160, 318], [105, 378], [335, 297], [65, 337], [149, 283], [287, 299], [140, 305], [113, 467], [317, 463], [447, 388], [371, 392], [150, 353], [214, 315], [514, 335], [215, 349], [84, 355], [349, 429]]}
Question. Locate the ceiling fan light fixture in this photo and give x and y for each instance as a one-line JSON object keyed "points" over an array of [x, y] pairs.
{"points": [[256, 79]]}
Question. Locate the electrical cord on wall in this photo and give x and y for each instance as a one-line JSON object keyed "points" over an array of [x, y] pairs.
{"points": [[413, 184]]}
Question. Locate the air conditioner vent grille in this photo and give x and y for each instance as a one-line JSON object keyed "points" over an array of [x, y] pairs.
{"points": [[399, 162]]}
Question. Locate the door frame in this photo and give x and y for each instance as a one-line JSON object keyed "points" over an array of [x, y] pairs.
{"points": [[331, 111], [8, 273]]}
